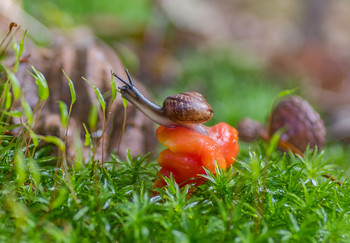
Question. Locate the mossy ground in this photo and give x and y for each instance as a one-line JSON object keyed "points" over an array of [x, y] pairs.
{"points": [[266, 196]]}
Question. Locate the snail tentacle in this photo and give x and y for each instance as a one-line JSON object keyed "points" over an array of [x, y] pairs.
{"points": [[129, 77], [123, 81]]}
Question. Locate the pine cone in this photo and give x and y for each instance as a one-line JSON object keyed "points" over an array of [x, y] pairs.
{"points": [[303, 124]]}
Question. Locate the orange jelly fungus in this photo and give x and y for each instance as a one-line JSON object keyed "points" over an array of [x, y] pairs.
{"points": [[188, 151]]}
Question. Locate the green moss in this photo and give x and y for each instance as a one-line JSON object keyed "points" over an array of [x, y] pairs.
{"points": [[263, 197]]}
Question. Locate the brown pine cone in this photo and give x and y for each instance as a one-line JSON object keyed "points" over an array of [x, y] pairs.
{"points": [[303, 124], [299, 123], [250, 130]]}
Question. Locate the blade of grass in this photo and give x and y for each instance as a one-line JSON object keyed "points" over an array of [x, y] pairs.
{"points": [[63, 113], [114, 87], [71, 88], [27, 111], [14, 82], [18, 52], [43, 89], [87, 141], [125, 103], [98, 93]]}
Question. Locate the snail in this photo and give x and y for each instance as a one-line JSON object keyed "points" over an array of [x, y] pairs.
{"points": [[300, 125], [187, 109]]}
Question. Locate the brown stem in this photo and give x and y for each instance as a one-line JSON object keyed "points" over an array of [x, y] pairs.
{"points": [[122, 133]]}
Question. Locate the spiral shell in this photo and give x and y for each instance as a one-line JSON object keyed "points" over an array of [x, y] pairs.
{"points": [[187, 107]]}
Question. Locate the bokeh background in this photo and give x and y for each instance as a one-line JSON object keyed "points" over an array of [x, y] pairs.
{"points": [[238, 54]]}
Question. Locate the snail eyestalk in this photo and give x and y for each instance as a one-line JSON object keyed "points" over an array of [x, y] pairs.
{"points": [[123, 81], [161, 115], [129, 77]]}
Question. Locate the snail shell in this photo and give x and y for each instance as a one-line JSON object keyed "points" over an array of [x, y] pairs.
{"points": [[303, 124], [187, 107]]}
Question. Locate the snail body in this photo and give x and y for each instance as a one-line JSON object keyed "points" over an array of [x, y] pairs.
{"points": [[188, 109]]}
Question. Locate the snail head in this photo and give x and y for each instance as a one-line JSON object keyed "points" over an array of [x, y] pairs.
{"points": [[129, 88]]}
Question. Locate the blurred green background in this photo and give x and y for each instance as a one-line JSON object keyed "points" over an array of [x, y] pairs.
{"points": [[168, 58], [238, 54]]}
